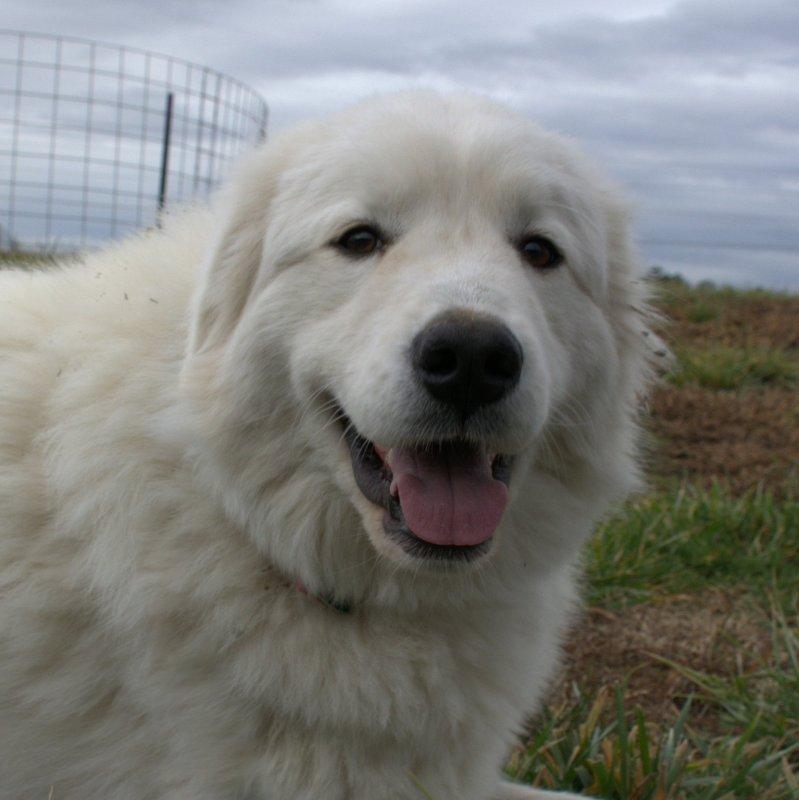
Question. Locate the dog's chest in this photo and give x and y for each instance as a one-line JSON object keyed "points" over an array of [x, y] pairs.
{"points": [[416, 682], [383, 704]]}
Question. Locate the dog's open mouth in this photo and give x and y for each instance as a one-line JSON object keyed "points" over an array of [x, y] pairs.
{"points": [[442, 500]]}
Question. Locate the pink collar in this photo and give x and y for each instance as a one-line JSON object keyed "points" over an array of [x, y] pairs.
{"points": [[327, 600]]}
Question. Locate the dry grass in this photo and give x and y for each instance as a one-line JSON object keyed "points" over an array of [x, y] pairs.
{"points": [[722, 316], [715, 632]]}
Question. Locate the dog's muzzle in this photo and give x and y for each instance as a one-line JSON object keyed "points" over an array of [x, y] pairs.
{"points": [[441, 500]]}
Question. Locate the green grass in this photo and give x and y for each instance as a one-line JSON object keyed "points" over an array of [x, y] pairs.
{"points": [[671, 542], [726, 368], [576, 749], [626, 758]]}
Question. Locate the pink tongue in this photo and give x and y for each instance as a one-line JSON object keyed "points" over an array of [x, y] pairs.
{"points": [[448, 495]]}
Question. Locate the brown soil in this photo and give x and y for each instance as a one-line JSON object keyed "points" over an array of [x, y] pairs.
{"points": [[741, 439]]}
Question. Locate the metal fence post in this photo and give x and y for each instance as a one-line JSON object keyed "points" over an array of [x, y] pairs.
{"points": [[165, 155]]}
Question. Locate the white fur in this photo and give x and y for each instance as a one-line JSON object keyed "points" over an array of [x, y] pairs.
{"points": [[168, 472]]}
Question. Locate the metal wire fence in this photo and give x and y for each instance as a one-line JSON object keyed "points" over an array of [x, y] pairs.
{"points": [[95, 138]]}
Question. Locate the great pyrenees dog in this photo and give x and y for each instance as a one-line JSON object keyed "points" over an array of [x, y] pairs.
{"points": [[292, 491]]}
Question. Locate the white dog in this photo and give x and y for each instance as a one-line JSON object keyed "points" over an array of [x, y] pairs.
{"points": [[292, 491]]}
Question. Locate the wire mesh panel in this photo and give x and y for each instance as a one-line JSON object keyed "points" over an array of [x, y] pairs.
{"points": [[95, 137]]}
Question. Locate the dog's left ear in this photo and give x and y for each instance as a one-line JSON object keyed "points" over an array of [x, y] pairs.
{"points": [[236, 253]]}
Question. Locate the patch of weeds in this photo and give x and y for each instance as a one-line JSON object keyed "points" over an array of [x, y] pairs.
{"points": [[577, 749], [605, 751]]}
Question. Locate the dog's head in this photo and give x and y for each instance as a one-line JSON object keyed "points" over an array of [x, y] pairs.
{"points": [[425, 306]]}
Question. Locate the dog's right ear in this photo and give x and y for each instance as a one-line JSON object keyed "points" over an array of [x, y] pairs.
{"points": [[236, 252]]}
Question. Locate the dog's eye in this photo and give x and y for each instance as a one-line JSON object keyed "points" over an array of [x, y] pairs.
{"points": [[361, 241], [539, 252]]}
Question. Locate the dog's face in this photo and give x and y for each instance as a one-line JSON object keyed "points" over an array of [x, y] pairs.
{"points": [[431, 304]]}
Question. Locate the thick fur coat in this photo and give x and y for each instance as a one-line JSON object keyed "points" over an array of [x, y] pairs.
{"points": [[177, 500]]}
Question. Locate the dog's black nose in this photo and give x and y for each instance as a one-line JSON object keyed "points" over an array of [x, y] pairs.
{"points": [[467, 361]]}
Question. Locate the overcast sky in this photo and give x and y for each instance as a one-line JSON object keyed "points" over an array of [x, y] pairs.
{"points": [[693, 106]]}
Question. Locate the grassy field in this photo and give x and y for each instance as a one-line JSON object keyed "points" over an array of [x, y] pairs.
{"points": [[683, 679], [683, 674]]}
